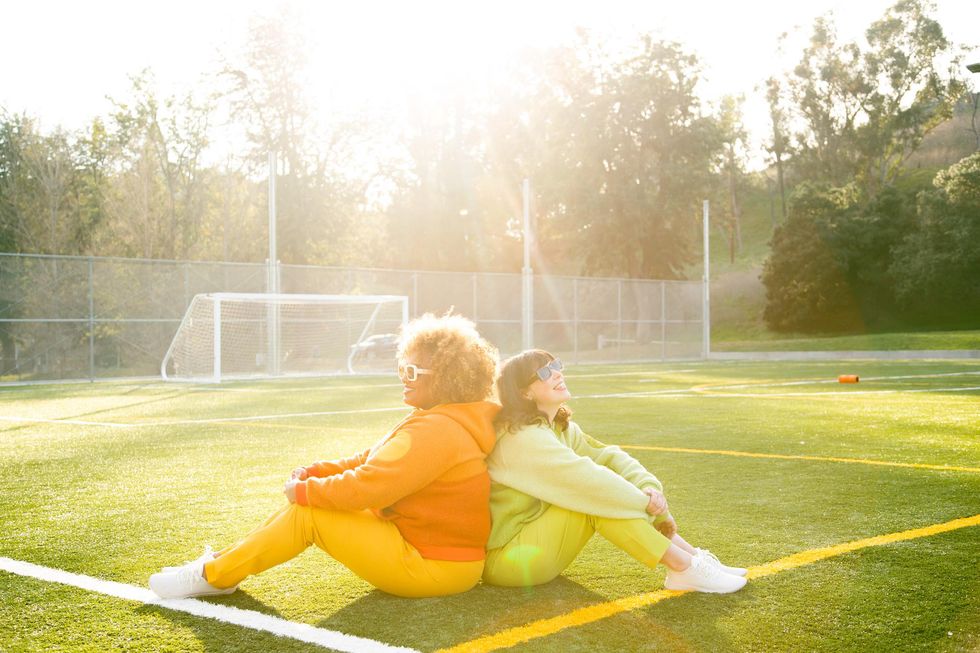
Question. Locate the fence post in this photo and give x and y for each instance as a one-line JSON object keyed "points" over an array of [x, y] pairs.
{"points": [[91, 319], [663, 320], [216, 344], [415, 293], [475, 295], [575, 319], [619, 319], [706, 291], [527, 274]]}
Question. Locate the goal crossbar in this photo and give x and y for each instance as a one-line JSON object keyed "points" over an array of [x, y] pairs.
{"points": [[262, 335]]}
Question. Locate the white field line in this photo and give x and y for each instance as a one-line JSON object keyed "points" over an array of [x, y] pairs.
{"points": [[819, 381], [695, 393], [650, 373], [256, 418], [213, 420], [709, 390], [224, 613], [77, 422], [310, 388]]}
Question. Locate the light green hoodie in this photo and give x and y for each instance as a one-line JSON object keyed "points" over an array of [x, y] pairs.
{"points": [[536, 467]]}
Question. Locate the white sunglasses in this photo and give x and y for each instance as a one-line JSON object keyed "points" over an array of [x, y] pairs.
{"points": [[411, 372]]}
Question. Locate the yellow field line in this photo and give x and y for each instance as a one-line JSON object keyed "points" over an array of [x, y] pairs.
{"points": [[861, 461], [589, 614]]}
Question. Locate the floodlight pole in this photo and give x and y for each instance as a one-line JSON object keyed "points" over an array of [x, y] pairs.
{"points": [[527, 274], [272, 284], [706, 287]]}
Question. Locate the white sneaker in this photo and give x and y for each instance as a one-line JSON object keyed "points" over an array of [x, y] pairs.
{"points": [[205, 557], [713, 559], [703, 576], [186, 581]]}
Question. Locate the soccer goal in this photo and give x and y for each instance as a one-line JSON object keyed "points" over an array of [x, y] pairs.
{"points": [[246, 336]]}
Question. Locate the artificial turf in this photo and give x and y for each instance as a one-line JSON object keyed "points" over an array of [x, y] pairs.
{"points": [[126, 477]]}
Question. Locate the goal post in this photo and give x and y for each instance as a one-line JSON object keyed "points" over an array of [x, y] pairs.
{"points": [[226, 336]]}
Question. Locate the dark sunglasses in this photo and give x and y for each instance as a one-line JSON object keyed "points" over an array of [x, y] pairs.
{"points": [[544, 372]]}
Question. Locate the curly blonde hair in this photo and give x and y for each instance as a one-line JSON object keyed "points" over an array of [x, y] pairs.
{"points": [[464, 364]]}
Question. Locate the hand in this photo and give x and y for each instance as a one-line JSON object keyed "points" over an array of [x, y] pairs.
{"points": [[290, 490], [299, 474], [658, 502], [667, 528]]}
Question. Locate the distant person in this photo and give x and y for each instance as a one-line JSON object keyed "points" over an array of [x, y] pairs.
{"points": [[409, 515], [553, 486]]}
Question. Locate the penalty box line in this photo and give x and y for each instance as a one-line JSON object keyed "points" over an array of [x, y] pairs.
{"points": [[224, 613], [593, 613], [859, 461]]}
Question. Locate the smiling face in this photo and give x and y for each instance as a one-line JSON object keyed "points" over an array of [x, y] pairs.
{"points": [[549, 394], [417, 393]]}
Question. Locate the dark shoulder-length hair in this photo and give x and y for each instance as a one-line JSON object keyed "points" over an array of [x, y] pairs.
{"points": [[516, 374]]}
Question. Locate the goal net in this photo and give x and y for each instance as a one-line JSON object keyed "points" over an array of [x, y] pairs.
{"points": [[243, 336]]}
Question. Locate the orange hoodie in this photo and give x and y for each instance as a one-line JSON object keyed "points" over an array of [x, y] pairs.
{"points": [[428, 476]]}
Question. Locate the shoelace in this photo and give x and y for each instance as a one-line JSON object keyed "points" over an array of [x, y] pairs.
{"points": [[207, 556], [712, 558], [707, 567], [189, 574]]}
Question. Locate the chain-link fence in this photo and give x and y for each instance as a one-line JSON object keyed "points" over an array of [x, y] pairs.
{"points": [[64, 318]]}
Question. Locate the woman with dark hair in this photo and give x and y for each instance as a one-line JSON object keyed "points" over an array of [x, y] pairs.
{"points": [[553, 486], [409, 515]]}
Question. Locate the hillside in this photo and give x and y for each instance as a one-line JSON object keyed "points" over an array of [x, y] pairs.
{"points": [[737, 294]]}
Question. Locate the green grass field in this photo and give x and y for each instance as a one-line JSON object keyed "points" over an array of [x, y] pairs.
{"points": [[727, 340], [115, 480]]}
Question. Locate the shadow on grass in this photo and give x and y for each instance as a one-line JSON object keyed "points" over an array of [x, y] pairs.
{"points": [[434, 623], [425, 624], [220, 637]]}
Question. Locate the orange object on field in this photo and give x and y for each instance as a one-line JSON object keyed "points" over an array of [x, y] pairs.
{"points": [[848, 378]]}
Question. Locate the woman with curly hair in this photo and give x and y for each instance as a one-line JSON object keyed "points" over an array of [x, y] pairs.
{"points": [[553, 486], [409, 515]]}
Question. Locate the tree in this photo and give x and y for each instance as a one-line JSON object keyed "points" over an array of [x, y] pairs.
{"points": [[627, 156], [15, 183], [865, 111], [937, 266], [435, 218], [734, 137], [41, 191], [913, 90], [159, 186], [323, 174], [807, 288], [779, 146]]}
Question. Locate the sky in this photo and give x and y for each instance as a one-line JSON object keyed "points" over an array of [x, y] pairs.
{"points": [[60, 59]]}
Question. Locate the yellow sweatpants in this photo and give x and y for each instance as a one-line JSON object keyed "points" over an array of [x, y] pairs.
{"points": [[371, 547], [546, 546]]}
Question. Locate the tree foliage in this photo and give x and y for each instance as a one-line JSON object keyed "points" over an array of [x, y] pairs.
{"points": [[863, 110], [807, 288], [937, 267], [620, 148], [624, 153], [844, 263]]}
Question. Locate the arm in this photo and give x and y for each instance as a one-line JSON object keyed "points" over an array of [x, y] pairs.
{"points": [[331, 467], [613, 458], [535, 462], [417, 454], [328, 467]]}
